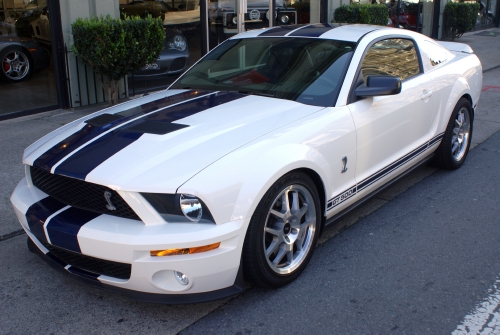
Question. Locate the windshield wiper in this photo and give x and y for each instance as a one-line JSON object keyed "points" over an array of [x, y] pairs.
{"points": [[269, 95]]}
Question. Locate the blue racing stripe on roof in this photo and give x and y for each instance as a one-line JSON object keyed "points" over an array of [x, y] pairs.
{"points": [[279, 31], [48, 159], [88, 158], [313, 30]]}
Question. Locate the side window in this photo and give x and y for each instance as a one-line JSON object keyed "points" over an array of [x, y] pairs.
{"points": [[394, 57], [437, 55]]}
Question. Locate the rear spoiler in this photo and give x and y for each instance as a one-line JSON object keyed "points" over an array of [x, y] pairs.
{"points": [[457, 47]]}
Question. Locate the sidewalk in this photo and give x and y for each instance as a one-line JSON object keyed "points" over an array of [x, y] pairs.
{"points": [[486, 45]]}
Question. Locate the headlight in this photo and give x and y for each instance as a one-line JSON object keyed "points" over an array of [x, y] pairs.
{"points": [[179, 207], [235, 20], [191, 207], [178, 43], [284, 19]]}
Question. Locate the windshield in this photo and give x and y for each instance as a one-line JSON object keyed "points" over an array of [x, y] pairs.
{"points": [[305, 70]]}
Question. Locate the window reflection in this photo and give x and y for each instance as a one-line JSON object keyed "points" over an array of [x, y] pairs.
{"points": [[27, 79], [394, 57], [182, 46]]}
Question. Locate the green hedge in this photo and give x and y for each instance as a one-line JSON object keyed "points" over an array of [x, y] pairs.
{"points": [[116, 47], [460, 17], [377, 14]]}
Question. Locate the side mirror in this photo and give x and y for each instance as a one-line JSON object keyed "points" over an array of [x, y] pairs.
{"points": [[379, 85]]}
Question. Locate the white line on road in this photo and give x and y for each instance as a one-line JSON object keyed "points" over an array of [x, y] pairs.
{"points": [[485, 318]]}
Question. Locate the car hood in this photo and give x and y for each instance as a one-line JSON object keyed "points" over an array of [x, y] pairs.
{"points": [[157, 143]]}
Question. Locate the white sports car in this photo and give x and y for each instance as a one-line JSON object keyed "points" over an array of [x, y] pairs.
{"points": [[234, 171]]}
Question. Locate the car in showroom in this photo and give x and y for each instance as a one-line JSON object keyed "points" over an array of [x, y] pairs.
{"points": [[223, 17], [234, 171], [20, 57], [173, 59]]}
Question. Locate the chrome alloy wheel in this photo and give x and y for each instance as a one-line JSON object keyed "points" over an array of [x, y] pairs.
{"points": [[461, 133], [15, 65], [289, 229]]}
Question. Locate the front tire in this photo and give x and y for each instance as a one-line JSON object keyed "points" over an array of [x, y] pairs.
{"points": [[283, 232], [454, 147]]}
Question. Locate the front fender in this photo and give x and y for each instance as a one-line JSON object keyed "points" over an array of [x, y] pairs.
{"points": [[232, 191]]}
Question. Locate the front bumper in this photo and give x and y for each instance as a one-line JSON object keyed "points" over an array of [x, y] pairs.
{"points": [[212, 275]]}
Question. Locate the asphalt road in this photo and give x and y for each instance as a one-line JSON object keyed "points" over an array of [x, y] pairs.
{"points": [[422, 257], [418, 265]]}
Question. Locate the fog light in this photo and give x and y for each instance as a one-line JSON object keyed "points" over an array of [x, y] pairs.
{"points": [[181, 278], [235, 20], [285, 19]]}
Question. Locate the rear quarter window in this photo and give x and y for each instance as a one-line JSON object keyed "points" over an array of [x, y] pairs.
{"points": [[437, 54]]}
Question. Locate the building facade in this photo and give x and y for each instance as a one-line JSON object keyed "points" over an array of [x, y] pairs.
{"points": [[40, 72]]}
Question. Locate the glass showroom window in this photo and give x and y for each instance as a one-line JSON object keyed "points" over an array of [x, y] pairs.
{"points": [[182, 46], [27, 79]]}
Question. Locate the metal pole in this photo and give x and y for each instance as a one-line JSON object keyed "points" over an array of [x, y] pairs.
{"points": [[56, 37], [272, 11], [204, 27], [324, 11], [241, 9]]}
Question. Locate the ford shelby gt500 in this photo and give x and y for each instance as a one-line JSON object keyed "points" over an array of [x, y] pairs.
{"points": [[234, 171]]}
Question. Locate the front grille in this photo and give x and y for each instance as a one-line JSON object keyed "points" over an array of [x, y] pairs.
{"points": [[91, 264], [80, 194]]}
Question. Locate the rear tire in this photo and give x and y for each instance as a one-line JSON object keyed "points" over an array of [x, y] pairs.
{"points": [[454, 147], [283, 232]]}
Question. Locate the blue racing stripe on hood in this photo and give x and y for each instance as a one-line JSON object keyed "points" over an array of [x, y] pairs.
{"points": [[89, 157], [47, 160]]}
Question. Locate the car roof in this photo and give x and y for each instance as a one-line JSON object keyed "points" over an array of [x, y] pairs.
{"points": [[337, 31]]}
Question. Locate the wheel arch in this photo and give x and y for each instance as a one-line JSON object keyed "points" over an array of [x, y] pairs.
{"points": [[240, 190], [469, 97], [320, 187]]}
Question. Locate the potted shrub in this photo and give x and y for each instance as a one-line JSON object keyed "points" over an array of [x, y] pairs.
{"points": [[116, 47]]}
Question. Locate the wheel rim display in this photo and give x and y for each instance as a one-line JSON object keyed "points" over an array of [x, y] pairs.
{"points": [[461, 133], [15, 65], [289, 229]]}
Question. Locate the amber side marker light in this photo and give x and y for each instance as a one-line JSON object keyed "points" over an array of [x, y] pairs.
{"points": [[185, 251]]}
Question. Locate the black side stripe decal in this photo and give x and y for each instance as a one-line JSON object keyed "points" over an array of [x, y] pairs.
{"points": [[80, 164], [350, 192]]}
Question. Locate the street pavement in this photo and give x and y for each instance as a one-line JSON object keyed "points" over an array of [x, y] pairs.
{"points": [[419, 258]]}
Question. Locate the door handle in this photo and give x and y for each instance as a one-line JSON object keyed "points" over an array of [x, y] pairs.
{"points": [[427, 94]]}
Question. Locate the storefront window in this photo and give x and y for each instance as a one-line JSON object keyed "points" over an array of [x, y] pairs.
{"points": [[182, 46], [27, 79], [223, 19]]}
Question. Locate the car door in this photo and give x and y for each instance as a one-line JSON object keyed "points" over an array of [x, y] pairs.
{"points": [[391, 131]]}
